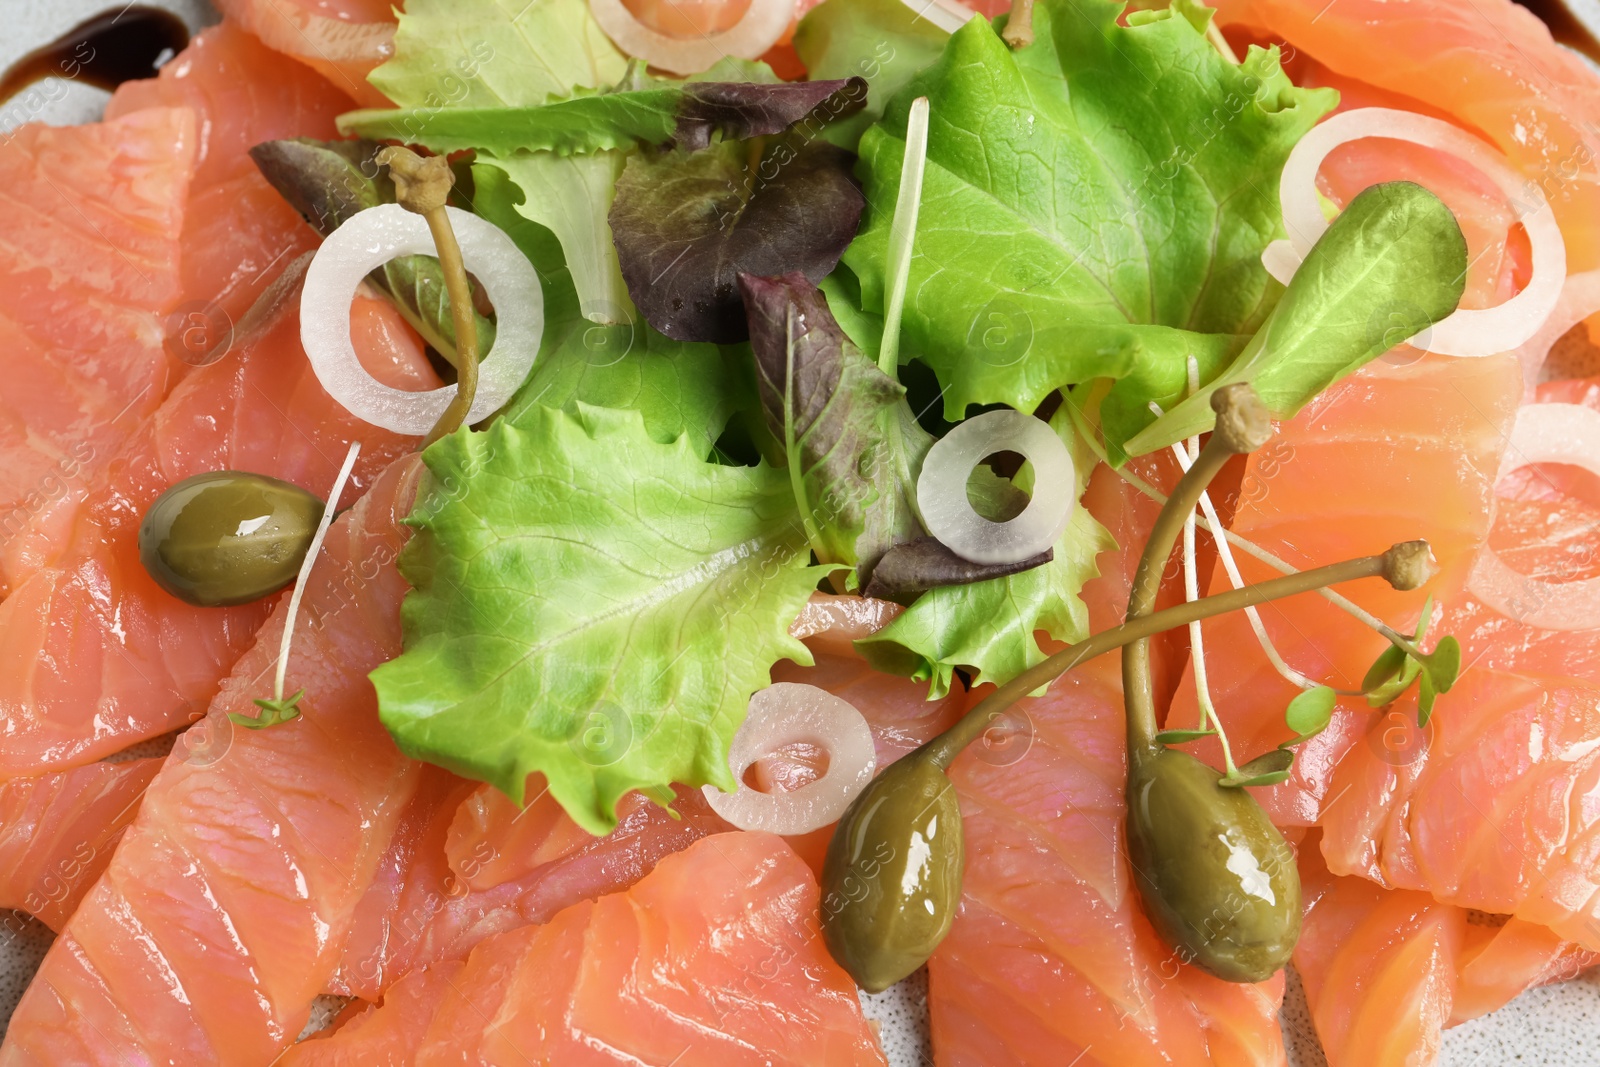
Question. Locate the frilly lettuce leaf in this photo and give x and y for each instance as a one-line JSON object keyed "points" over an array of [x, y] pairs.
{"points": [[591, 604], [1095, 202], [990, 627]]}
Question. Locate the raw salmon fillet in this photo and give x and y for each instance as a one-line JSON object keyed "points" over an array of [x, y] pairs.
{"points": [[1491, 66], [238, 232], [1392, 453], [1386, 970], [456, 873], [95, 655], [1051, 960], [57, 833], [88, 268], [224, 910], [229, 237], [714, 959], [343, 40]]}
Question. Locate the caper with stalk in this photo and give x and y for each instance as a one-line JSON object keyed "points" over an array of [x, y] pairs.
{"points": [[891, 880]]}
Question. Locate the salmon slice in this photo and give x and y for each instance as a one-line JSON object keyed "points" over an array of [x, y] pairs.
{"points": [[57, 833], [1378, 966], [467, 865], [224, 910], [1491, 808], [382, 1035], [1491, 66], [1547, 526], [1393, 453], [238, 232], [90, 246], [714, 957], [1386, 970], [95, 655], [342, 40], [1051, 957]]}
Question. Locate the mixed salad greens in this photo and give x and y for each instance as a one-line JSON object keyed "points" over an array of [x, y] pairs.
{"points": [[767, 307]]}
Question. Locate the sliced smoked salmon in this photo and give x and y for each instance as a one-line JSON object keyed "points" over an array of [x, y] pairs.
{"points": [[343, 40], [57, 833], [88, 271], [226, 905], [96, 656], [714, 959], [238, 232], [1385, 970]]}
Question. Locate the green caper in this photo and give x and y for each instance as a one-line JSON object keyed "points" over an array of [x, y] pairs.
{"points": [[227, 537], [1219, 882], [892, 878]]}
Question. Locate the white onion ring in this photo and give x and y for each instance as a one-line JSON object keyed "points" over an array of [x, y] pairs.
{"points": [[948, 15], [1469, 331], [1544, 433], [787, 713], [942, 488], [757, 30], [370, 239]]}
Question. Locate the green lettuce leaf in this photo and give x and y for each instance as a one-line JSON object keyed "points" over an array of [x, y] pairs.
{"points": [[1392, 264], [684, 114], [990, 627], [571, 197], [590, 604], [494, 53], [1094, 204], [680, 389], [883, 41]]}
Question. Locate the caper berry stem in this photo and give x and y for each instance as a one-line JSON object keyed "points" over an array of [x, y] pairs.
{"points": [[1019, 24], [1243, 425], [422, 185], [943, 749]]}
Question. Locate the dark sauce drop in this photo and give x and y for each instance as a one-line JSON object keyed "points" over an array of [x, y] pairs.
{"points": [[1565, 26], [105, 51]]}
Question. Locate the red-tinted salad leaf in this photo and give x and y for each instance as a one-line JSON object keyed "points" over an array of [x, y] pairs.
{"points": [[687, 225]]}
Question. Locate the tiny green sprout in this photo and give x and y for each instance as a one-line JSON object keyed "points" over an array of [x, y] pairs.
{"points": [[1440, 669], [1392, 673], [274, 710], [1180, 737], [1270, 768], [1309, 713]]}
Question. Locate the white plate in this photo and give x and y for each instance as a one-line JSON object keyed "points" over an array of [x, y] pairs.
{"points": [[1551, 1027]]}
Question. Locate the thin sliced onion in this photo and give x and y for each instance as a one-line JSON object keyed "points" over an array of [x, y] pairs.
{"points": [[1469, 331], [1544, 433], [948, 15], [942, 488], [757, 30], [788, 713], [370, 239], [1580, 298]]}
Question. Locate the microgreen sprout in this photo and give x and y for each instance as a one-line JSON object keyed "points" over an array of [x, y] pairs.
{"points": [[280, 709], [422, 185], [902, 234]]}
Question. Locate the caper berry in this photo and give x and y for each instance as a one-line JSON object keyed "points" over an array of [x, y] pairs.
{"points": [[227, 537], [892, 878], [1219, 881]]}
